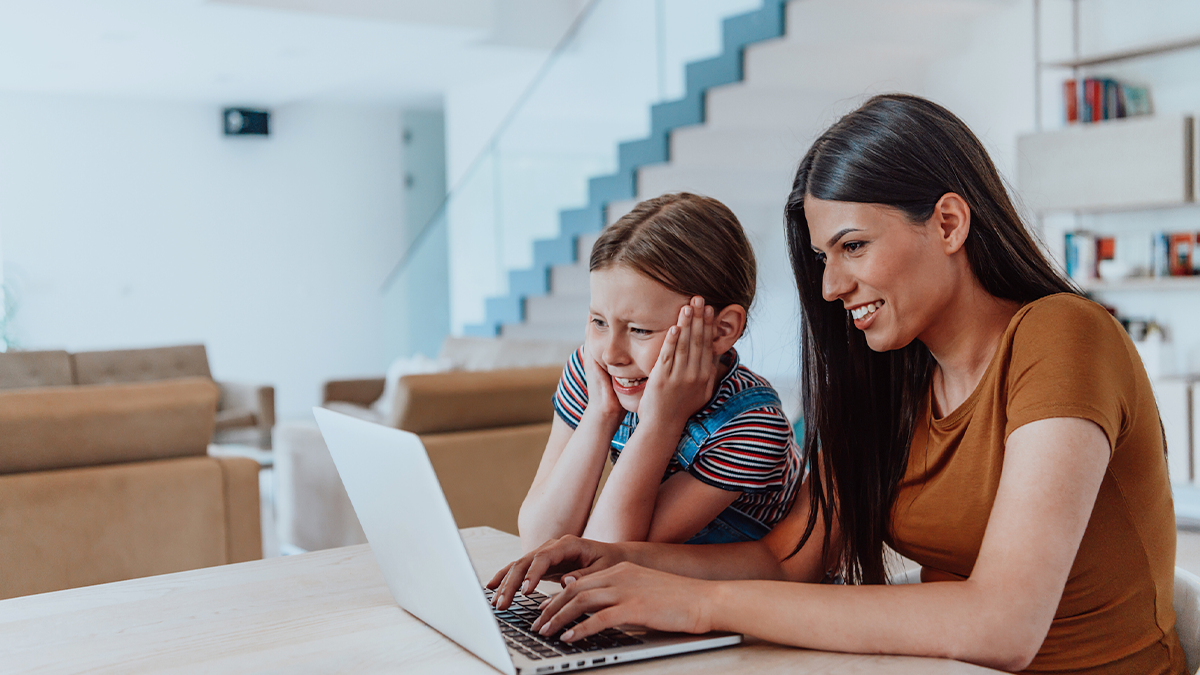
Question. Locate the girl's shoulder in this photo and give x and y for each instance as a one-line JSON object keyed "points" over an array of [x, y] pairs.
{"points": [[740, 379]]}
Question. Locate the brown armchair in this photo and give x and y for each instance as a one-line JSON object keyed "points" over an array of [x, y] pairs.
{"points": [[245, 412], [102, 483]]}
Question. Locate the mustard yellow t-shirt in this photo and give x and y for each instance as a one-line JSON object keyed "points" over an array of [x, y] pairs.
{"points": [[1061, 356]]}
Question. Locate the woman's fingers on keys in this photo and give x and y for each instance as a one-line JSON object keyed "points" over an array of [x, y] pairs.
{"points": [[590, 600]]}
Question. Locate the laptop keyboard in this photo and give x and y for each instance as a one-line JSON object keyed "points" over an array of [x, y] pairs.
{"points": [[516, 624]]}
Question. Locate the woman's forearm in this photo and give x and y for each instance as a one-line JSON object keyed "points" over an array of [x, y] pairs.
{"points": [[743, 560], [560, 504], [950, 619], [626, 506]]}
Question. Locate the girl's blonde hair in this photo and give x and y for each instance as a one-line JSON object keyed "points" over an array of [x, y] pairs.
{"points": [[693, 245]]}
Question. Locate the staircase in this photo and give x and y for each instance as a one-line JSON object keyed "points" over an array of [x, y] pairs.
{"points": [[748, 117]]}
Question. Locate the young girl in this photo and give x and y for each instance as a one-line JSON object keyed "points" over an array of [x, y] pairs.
{"points": [[706, 453]]}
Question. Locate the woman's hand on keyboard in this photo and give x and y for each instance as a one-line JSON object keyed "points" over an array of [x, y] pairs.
{"points": [[568, 556], [626, 593]]}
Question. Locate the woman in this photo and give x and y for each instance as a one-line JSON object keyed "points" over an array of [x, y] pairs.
{"points": [[965, 407]]}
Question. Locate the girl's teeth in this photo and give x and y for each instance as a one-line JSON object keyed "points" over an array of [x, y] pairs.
{"points": [[865, 310], [627, 382]]}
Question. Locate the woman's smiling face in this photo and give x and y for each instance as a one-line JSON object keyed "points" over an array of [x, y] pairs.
{"points": [[630, 314], [890, 274]]}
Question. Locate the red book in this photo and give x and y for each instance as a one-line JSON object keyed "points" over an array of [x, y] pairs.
{"points": [[1071, 101], [1106, 248], [1179, 254], [1093, 92]]}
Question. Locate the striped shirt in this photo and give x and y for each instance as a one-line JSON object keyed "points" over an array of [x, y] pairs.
{"points": [[754, 454]]}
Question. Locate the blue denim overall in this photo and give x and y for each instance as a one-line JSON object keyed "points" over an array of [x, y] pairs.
{"points": [[731, 525]]}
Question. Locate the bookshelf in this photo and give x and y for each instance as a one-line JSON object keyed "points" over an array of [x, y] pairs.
{"points": [[1129, 179], [1131, 165]]}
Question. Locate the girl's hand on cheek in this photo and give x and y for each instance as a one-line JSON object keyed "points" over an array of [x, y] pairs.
{"points": [[685, 374], [602, 399]]}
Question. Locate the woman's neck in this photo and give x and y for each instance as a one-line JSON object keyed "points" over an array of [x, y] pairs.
{"points": [[963, 343]]}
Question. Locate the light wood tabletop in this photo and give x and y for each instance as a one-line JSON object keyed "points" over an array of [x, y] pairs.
{"points": [[322, 612]]}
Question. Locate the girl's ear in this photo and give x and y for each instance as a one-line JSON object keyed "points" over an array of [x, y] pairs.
{"points": [[728, 325]]}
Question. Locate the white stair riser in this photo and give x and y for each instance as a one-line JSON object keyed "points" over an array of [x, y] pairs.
{"points": [[866, 69], [736, 149], [569, 279], [766, 187], [537, 331], [740, 106], [851, 23], [556, 309]]}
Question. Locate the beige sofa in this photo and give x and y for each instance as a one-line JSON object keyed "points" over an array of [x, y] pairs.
{"points": [[245, 412], [102, 483], [485, 424]]}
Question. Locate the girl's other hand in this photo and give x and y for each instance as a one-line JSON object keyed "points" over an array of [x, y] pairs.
{"points": [[568, 556], [628, 594], [602, 399], [685, 374]]}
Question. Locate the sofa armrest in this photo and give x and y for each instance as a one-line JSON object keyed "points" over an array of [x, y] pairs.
{"points": [[243, 518], [466, 400], [364, 392]]}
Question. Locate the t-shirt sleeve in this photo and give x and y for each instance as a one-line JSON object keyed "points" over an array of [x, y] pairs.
{"points": [[749, 454], [1070, 358], [570, 399]]}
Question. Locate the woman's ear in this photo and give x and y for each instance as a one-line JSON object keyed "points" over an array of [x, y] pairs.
{"points": [[952, 217], [728, 325]]}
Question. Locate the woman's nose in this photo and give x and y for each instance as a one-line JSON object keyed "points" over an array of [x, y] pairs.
{"points": [[835, 283]]}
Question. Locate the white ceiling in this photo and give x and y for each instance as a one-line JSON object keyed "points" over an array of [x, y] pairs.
{"points": [[271, 52]]}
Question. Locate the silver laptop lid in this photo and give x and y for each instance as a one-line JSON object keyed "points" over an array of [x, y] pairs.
{"points": [[404, 514]]}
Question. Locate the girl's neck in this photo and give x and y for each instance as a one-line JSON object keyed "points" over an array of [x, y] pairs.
{"points": [[963, 343]]}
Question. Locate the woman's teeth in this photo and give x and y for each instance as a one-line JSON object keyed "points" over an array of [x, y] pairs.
{"points": [[866, 310], [629, 382]]}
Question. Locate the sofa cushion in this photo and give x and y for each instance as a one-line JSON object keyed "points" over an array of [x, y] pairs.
{"points": [[141, 365], [462, 401], [77, 527], [60, 427], [19, 370]]}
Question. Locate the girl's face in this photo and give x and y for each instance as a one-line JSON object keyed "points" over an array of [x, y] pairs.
{"points": [[629, 317], [893, 276]]}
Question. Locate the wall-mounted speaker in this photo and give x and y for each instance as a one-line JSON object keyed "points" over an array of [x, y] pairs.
{"points": [[246, 122]]}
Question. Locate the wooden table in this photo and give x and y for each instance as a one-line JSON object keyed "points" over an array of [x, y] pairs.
{"points": [[321, 612]]}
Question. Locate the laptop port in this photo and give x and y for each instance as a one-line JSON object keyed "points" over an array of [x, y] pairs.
{"points": [[580, 664], [546, 669], [599, 660]]}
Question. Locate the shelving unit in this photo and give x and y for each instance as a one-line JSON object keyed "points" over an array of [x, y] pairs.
{"points": [[1080, 176], [1144, 284]]}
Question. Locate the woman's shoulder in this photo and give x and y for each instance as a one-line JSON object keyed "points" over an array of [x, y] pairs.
{"points": [[1065, 319], [1065, 309]]}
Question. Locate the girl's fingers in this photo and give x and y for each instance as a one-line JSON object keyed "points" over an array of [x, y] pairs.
{"points": [[699, 347], [684, 347], [667, 353], [499, 576]]}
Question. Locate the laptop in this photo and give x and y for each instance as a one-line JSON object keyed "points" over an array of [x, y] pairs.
{"points": [[415, 540]]}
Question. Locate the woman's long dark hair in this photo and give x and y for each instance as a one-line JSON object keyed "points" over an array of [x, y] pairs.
{"points": [[860, 406]]}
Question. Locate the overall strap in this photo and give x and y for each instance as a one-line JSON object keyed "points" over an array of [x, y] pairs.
{"points": [[623, 432], [698, 431]]}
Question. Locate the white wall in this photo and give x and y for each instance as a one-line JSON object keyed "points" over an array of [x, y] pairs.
{"points": [[131, 224]]}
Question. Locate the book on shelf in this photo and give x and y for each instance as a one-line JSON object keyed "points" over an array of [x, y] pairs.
{"points": [[1091, 257], [1095, 99]]}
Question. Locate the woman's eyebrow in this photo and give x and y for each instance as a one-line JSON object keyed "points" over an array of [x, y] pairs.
{"points": [[841, 233]]}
